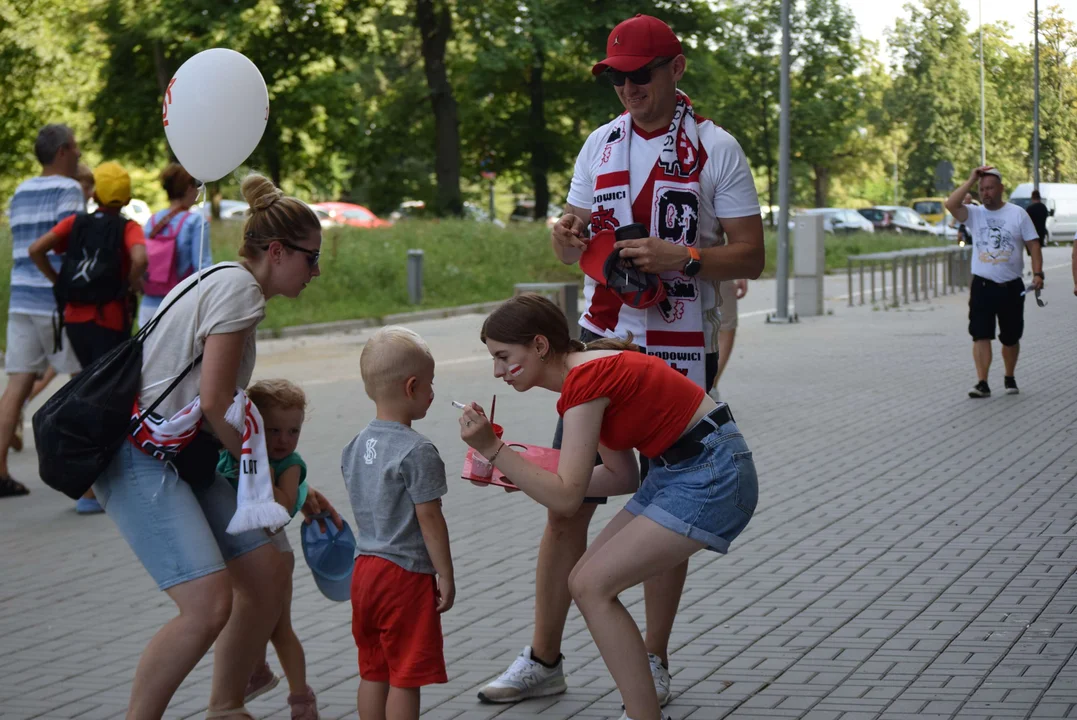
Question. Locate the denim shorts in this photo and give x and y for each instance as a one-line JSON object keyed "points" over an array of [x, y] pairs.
{"points": [[709, 497], [177, 533]]}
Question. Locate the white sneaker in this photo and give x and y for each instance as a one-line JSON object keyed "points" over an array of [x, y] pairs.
{"points": [[661, 681], [525, 679], [624, 716], [660, 673]]}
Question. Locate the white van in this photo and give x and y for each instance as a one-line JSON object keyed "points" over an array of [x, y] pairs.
{"points": [[1061, 202]]}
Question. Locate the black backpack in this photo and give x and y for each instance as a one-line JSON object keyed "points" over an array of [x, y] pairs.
{"points": [[92, 271], [79, 429]]}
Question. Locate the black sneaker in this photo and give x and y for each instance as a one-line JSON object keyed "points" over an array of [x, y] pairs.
{"points": [[1011, 385], [980, 390]]}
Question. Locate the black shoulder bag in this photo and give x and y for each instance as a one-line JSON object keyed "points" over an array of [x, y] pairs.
{"points": [[79, 429]]}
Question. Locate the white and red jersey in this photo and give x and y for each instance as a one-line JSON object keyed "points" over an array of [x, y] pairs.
{"points": [[725, 178]]}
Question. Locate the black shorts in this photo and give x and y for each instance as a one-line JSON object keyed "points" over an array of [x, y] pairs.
{"points": [[587, 336], [989, 300], [90, 341]]}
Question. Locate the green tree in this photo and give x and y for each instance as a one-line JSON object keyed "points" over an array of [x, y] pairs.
{"points": [[294, 44], [935, 91], [827, 108], [49, 60], [1058, 96]]}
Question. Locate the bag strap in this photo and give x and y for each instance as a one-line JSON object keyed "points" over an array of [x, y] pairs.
{"points": [[186, 216], [168, 391], [163, 222], [141, 337], [145, 331]]}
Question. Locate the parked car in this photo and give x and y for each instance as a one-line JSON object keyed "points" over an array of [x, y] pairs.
{"points": [[906, 220], [947, 230], [350, 214], [525, 212], [233, 210], [839, 220], [416, 209], [136, 210], [931, 209], [880, 219]]}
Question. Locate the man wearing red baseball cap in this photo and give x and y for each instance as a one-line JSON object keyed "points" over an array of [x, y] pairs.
{"points": [[686, 182]]}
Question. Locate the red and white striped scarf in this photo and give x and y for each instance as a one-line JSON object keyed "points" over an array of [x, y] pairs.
{"points": [[165, 438], [668, 204]]}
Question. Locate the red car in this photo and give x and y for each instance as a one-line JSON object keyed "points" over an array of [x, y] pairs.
{"points": [[349, 214]]}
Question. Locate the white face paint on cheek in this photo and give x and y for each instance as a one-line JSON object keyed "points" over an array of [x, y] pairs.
{"points": [[516, 370]]}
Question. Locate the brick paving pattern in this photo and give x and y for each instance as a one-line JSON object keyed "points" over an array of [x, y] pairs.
{"points": [[912, 555]]}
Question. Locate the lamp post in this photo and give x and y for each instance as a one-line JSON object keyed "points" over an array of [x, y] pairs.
{"points": [[782, 309]]}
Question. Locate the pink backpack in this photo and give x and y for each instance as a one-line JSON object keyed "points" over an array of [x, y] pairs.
{"points": [[162, 274]]}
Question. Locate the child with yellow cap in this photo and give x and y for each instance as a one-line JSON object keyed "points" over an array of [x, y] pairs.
{"points": [[104, 261]]}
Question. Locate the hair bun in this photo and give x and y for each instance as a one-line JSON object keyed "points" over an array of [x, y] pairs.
{"points": [[260, 192], [266, 201]]}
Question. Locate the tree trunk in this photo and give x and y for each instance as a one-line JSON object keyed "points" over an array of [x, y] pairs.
{"points": [[272, 150], [822, 185], [434, 21], [540, 152], [164, 75]]}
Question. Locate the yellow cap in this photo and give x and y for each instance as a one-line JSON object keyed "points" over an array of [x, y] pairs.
{"points": [[112, 185]]}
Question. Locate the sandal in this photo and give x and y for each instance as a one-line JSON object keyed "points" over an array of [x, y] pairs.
{"points": [[10, 487], [304, 705]]}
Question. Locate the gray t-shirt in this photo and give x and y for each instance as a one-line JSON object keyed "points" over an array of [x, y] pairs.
{"points": [[228, 301], [388, 470]]}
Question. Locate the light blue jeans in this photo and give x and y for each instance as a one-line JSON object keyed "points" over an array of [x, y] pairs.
{"points": [[178, 534]]}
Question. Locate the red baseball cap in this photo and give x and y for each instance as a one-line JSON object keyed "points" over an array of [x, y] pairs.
{"points": [[636, 42], [602, 263]]}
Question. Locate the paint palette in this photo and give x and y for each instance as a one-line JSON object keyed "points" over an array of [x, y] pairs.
{"points": [[546, 458]]}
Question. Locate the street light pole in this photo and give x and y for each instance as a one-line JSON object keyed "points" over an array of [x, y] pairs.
{"points": [[782, 313], [983, 135], [1036, 97]]}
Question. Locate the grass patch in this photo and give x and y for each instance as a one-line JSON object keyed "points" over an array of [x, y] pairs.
{"points": [[364, 272]]}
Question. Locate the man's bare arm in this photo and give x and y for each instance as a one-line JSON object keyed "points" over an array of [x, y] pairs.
{"points": [[742, 257]]}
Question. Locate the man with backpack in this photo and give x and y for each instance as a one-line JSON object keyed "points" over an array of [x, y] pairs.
{"points": [[174, 237], [38, 204], [104, 261]]}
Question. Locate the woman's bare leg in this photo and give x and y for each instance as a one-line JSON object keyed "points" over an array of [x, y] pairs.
{"points": [[640, 549]]}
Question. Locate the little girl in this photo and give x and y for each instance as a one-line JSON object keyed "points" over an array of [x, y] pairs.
{"points": [[283, 407]]}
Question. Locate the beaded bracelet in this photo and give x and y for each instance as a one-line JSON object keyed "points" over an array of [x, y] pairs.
{"points": [[494, 456]]}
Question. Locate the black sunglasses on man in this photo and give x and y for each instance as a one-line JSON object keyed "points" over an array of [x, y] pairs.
{"points": [[638, 77]]}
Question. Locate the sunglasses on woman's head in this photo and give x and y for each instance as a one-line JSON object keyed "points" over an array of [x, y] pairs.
{"points": [[638, 77]]}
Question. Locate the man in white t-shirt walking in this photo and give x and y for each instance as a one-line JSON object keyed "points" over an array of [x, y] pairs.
{"points": [[687, 180], [999, 230]]}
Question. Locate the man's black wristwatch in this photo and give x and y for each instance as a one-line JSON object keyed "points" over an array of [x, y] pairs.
{"points": [[694, 264], [1039, 275]]}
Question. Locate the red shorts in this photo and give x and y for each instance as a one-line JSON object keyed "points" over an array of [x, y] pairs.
{"points": [[396, 624]]}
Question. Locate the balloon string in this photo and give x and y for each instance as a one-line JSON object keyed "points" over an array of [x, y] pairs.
{"points": [[202, 193]]}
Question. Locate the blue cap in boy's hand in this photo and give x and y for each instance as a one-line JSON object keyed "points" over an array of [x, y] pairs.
{"points": [[330, 556]]}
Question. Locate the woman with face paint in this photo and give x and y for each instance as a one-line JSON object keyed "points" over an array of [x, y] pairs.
{"points": [[699, 494]]}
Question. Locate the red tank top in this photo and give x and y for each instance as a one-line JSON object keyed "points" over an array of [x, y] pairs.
{"points": [[650, 402]]}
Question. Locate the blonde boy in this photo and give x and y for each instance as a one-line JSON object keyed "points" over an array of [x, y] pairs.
{"points": [[403, 576]]}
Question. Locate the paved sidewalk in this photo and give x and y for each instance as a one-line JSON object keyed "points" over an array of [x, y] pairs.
{"points": [[912, 555]]}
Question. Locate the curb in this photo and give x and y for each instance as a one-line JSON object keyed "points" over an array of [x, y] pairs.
{"points": [[351, 326]]}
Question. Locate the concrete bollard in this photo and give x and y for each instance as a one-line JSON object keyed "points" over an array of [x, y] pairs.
{"points": [[415, 277], [809, 264]]}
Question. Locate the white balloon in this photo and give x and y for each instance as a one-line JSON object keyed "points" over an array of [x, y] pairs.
{"points": [[214, 112]]}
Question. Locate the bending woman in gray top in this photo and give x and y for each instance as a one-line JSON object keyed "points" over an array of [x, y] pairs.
{"points": [[228, 588]]}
